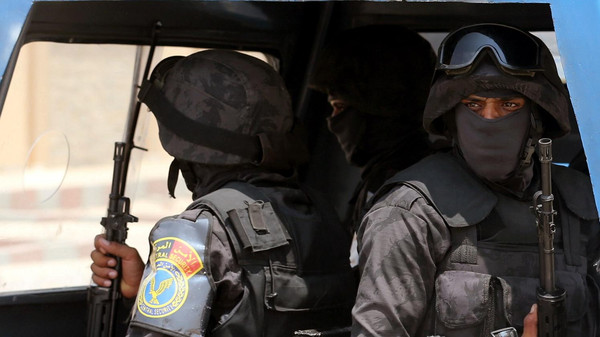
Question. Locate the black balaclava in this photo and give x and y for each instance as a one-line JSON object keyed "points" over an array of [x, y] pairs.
{"points": [[498, 150], [379, 146], [493, 147], [384, 83], [349, 128], [364, 136]]}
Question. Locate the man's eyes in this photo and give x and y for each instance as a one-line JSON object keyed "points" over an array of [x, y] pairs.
{"points": [[511, 105], [472, 105], [338, 107]]}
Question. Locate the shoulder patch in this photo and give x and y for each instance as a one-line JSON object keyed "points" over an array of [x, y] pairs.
{"points": [[166, 288]]}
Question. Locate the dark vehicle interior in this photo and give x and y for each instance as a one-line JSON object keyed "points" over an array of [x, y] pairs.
{"points": [[292, 32]]}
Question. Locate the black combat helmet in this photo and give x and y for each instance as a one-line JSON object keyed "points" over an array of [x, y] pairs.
{"points": [[526, 65], [222, 107]]}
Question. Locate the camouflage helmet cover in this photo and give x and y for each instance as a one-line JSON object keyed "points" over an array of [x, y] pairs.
{"points": [[544, 88], [227, 90]]}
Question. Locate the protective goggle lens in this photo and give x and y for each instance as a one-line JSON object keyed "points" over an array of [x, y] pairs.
{"points": [[512, 48]]}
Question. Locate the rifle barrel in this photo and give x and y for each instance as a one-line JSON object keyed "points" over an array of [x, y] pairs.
{"points": [[551, 299], [547, 228]]}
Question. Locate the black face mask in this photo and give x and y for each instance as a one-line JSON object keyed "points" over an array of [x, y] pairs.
{"points": [[492, 147], [349, 127]]}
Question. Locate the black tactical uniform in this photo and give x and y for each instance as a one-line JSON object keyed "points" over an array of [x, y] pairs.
{"points": [[451, 245], [383, 75], [253, 255]]}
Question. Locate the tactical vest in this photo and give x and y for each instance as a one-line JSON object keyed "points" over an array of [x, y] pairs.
{"points": [[295, 261], [490, 283]]}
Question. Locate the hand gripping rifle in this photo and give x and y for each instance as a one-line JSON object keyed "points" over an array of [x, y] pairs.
{"points": [[551, 299], [104, 302]]}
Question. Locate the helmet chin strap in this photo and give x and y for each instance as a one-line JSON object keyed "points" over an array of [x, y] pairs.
{"points": [[186, 171], [270, 150]]}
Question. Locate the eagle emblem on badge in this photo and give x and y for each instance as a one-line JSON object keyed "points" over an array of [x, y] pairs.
{"points": [[164, 284], [164, 290]]}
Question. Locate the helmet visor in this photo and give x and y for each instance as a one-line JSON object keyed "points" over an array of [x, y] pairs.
{"points": [[512, 49]]}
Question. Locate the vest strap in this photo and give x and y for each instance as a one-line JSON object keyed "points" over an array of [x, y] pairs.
{"points": [[250, 220], [571, 235], [190, 214], [464, 245], [472, 198]]}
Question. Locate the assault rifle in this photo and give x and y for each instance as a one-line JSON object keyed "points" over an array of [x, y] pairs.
{"points": [[550, 299], [103, 302]]}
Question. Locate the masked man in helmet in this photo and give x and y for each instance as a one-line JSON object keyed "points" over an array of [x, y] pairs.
{"points": [[450, 247], [254, 254], [377, 79]]}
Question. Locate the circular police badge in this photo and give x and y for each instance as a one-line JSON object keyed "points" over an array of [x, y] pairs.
{"points": [[165, 290]]}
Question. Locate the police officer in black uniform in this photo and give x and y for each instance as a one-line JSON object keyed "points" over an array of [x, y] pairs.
{"points": [[255, 254], [376, 79], [450, 246]]}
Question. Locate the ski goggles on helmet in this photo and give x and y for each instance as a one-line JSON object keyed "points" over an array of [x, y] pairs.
{"points": [[513, 50]]}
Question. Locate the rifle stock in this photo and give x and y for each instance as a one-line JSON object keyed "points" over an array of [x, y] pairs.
{"points": [[551, 299], [103, 303]]}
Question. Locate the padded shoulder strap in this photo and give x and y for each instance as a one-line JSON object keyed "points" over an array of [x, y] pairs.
{"points": [[249, 218], [575, 190], [575, 194], [459, 197]]}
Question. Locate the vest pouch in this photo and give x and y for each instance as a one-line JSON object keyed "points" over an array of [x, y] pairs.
{"points": [[524, 295], [286, 291], [235, 323], [465, 303], [288, 299], [594, 313], [288, 305], [258, 227]]}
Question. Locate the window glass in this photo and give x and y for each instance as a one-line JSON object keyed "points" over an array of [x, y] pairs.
{"points": [[67, 105]]}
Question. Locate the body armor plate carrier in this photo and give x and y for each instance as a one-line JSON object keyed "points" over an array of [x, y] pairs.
{"points": [[484, 285], [296, 272]]}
